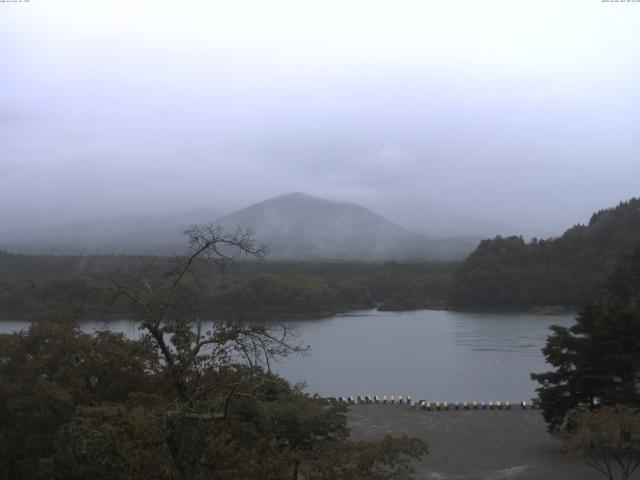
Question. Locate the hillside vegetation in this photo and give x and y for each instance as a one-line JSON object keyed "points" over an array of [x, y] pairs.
{"points": [[570, 270], [32, 286]]}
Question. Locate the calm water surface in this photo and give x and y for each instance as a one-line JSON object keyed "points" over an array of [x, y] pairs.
{"points": [[439, 355]]}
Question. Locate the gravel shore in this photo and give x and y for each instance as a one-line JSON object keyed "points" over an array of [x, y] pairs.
{"points": [[474, 444]]}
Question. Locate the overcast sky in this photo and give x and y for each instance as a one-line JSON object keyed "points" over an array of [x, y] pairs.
{"points": [[525, 112]]}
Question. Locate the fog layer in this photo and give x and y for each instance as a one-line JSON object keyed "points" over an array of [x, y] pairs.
{"points": [[442, 116]]}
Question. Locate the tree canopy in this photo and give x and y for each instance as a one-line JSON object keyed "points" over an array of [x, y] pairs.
{"points": [[570, 270], [185, 401], [597, 360]]}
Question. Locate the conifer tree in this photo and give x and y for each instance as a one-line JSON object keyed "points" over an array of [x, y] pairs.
{"points": [[597, 360]]}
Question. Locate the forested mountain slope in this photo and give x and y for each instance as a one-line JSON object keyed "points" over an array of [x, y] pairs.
{"points": [[570, 270]]}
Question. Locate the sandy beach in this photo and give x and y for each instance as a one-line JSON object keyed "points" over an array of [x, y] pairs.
{"points": [[475, 444]]}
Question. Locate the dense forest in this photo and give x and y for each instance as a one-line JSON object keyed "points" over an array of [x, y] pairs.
{"points": [[570, 270], [31, 286], [596, 359]]}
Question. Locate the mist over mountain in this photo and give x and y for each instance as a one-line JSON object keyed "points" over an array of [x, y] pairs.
{"points": [[294, 226], [136, 234], [299, 226], [441, 221], [440, 217]]}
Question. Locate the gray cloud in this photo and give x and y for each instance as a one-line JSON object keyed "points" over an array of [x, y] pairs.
{"points": [[411, 110]]}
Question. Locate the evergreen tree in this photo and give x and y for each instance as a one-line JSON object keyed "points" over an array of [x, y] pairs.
{"points": [[597, 360], [570, 270]]}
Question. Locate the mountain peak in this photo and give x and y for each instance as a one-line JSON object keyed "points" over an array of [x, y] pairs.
{"points": [[296, 226], [299, 196], [300, 226], [296, 195]]}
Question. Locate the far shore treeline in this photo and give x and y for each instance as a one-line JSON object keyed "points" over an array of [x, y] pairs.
{"points": [[505, 272]]}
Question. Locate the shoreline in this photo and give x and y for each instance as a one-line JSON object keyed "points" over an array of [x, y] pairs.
{"points": [[258, 317], [538, 310]]}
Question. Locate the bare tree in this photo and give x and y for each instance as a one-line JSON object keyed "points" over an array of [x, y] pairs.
{"points": [[609, 440], [214, 408], [188, 347]]}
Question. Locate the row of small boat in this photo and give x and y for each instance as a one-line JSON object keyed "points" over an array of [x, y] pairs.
{"points": [[491, 405], [375, 399], [427, 405]]}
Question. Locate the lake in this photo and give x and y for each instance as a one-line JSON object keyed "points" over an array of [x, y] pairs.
{"points": [[438, 355]]}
